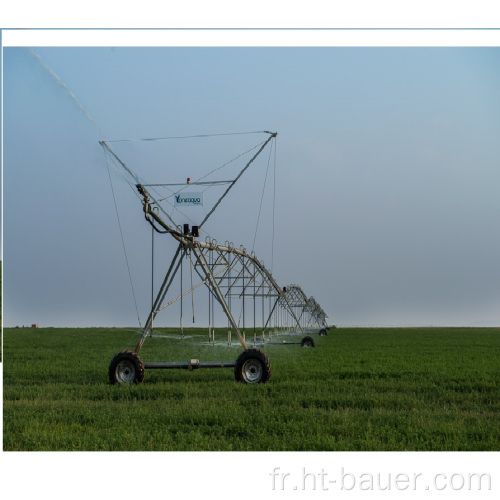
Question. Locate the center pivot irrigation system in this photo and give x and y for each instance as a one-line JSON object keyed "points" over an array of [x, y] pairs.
{"points": [[235, 279], [309, 313], [308, 318]]}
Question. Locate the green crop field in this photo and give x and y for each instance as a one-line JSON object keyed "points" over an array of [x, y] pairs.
{"points": [[359, 389]]}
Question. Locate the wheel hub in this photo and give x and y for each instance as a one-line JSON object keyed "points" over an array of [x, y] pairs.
{"points": [[252, 371], [125, 372]]}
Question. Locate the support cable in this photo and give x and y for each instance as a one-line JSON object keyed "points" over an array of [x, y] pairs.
{"points": [[152, 271], [273, 135], [261, 200], [192, 289], [210, 299], [190, 136], [182, 279], [274, 208], [123, 243]]}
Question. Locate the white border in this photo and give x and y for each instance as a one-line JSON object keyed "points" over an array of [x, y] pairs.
{"points": [[316, 14], [248, 475], [252, 37]]}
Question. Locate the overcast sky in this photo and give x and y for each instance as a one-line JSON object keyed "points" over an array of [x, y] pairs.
{"points": [[387, 176]]}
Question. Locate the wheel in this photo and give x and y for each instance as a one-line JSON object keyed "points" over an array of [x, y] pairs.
{"points": [[126, 367], [252, 367], [323, 332], [307, 342]]}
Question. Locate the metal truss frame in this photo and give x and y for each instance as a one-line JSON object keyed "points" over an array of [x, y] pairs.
{"points": [[309, 313], [228, 272]]}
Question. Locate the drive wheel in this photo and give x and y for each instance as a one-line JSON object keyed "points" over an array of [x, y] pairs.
{"points": [[323, 332], [252, 367], [308, 342], [126, 368]]}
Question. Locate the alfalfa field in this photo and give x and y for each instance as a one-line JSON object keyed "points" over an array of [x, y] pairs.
{"points": [[358, 389]]}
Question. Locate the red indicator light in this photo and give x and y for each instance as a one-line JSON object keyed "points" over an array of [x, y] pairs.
{"points": [[188, 180]]}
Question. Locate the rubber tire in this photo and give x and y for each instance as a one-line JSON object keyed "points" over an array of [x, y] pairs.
{"points": [[252, 359], [135, 363], [308, 342], [323, 332]]}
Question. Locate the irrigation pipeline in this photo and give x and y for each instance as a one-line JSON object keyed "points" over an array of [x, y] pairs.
{"points": [[202, 252], [187, 241]]}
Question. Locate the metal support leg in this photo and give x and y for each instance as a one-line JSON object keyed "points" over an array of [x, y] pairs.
{"points": [[215, 287], [160, 297]]}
